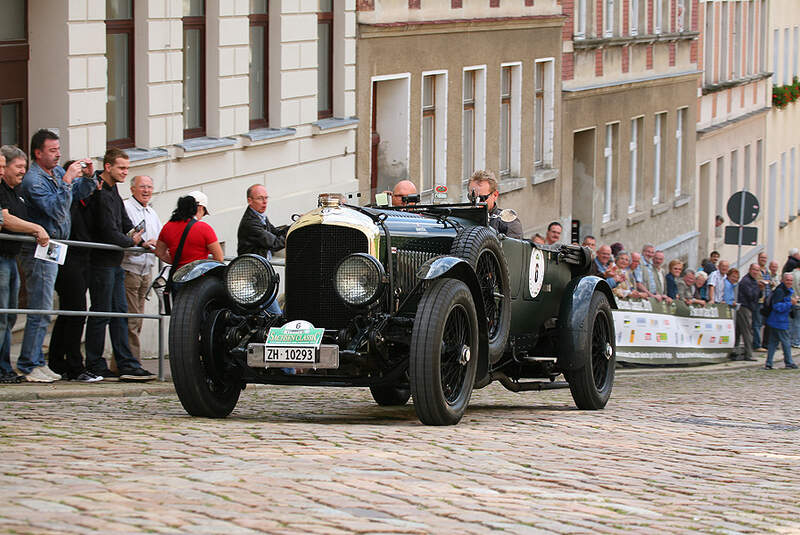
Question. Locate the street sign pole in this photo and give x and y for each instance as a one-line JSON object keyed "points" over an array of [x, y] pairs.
{"points": [[739, 255]]}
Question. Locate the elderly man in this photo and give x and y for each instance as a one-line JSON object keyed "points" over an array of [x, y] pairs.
{"points": [[484, 185], [553, 233], [139, 267], [590, 242], [256, 234], [48, 190], [401, 191], [716, 282], [781, 303], [648, 283], [751, 289], [110, 224], [603, 267], [793, 261], [758, 320], [14, 214]]}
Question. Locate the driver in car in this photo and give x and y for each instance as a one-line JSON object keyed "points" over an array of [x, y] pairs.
{"points": [[483, 185]]}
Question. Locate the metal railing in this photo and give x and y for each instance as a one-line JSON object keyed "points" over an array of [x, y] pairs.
{"points": [[88, 313]]}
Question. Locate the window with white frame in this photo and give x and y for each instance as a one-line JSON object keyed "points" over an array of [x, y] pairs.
{"points": [[658, 155], [751, 29], [783, 188], [510, 120], [734, 171], [434, 126], [635, 150], [580, 19], [792, 181], [759, 170], [708, 45], [680, 133], [608, 154], [680, 15], [787, 76], [737, 41], [795, 44], [543, 113], [609, 18], [776, 43], [473, 140], [747, 163], [659, 15], [723, 41], [633, 17], [720, 185]]}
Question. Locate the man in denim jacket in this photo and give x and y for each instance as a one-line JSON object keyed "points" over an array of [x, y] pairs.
{"points": [[782, 300], [48, 190]]}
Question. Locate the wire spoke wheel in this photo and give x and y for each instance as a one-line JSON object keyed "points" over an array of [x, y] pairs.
{"points": [[454, 342], [491, 281]]}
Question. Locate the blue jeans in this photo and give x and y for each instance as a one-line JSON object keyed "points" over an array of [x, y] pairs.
{"points": [[758, 322], [9, 288], [274, 307], [107, 292], [40, 279], [779, 336]]}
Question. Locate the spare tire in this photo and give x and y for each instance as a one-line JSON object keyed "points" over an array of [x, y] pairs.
{"points": [[481, 248]]}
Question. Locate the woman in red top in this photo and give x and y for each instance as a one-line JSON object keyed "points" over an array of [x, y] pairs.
{"points": [[201, 240]]}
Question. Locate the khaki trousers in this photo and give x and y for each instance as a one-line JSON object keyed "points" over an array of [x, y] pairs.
{"points": [[136, 287]]}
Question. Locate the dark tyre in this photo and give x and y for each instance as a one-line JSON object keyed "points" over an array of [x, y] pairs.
{"points": [[196, 358], [444, 353], [591, 385], [480, 247], [391, 395]]}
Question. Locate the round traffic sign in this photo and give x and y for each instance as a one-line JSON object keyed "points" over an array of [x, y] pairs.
{"points": [[743, 208]]}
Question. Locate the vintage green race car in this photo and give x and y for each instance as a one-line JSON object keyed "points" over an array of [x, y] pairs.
{"points": [[423, 301]]}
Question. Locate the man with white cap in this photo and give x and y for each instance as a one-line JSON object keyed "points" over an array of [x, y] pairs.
{"points": [[793, 261]]}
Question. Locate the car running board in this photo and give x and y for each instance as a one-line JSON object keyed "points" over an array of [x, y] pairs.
{"points": [[516, 386]]}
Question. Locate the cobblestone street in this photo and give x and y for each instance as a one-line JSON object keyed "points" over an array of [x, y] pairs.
{"points": [[674, 452]]}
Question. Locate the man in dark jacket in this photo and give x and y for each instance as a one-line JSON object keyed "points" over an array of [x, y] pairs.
{"points": [[750, 291], [256, 234], [782, 300], [109, 223]]}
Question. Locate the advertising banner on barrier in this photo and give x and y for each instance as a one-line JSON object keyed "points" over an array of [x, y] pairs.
{"points": [[649, 332]]}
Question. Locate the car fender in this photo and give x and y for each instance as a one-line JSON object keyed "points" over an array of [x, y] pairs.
{"points": [[196, 269], [458, 268], [572, 319]]}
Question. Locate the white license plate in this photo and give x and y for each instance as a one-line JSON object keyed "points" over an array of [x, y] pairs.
{"points": [[289, 354]]}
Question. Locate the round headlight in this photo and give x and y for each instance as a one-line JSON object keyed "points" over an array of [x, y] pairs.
{"points": [[251, 280], [359, 279]]}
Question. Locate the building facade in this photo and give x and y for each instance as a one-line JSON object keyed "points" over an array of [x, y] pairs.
{"points": [[446, 87], [629, 80], [210, 95], [782, 196], [734, 100]]}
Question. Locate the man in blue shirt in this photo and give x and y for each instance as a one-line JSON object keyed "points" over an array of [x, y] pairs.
{"points": [[48, 190]]}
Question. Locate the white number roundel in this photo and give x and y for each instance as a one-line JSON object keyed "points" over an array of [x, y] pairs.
{"points": [[536, 272]]}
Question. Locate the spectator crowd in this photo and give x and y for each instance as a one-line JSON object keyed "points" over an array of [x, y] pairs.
{"points": [[765, 300]]}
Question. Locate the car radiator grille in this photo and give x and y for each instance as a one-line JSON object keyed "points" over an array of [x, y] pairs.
{"points": [[312, 254], [408, 262]]}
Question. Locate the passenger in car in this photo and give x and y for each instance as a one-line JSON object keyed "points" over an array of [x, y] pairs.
{"points": [[483, 184]]}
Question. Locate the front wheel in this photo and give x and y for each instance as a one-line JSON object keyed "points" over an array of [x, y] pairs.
{"points": [[196, 357], [591, 384], [443, 356]]}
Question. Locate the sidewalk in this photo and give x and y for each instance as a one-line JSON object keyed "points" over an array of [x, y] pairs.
{"points": [[115, 388]]}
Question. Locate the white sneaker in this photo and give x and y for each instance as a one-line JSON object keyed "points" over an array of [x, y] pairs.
{"points": [[47, 371], [38, 375]]}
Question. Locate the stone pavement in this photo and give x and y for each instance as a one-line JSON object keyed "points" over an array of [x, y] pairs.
{"points": [[712, 451]]}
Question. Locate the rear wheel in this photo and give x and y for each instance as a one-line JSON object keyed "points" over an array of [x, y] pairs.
{"points": [[196, 357], [444, 353], [480, 247], [591, 385]]}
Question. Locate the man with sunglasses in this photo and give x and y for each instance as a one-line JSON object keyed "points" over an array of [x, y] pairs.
{"points": [[484, 185], [402, 191]]}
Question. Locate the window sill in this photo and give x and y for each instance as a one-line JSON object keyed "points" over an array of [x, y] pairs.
{"points": [[782, 224], [659, 209], [792, 218], [544, 174], [720, 86], [137, 154], [603, 42], [262, 136], [636, 217], [509, 184], [610, 227], [334, 124], [681, 200], [204, 145]]}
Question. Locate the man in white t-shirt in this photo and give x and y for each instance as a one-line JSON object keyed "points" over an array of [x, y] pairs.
{"points": [[716, 282]]}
